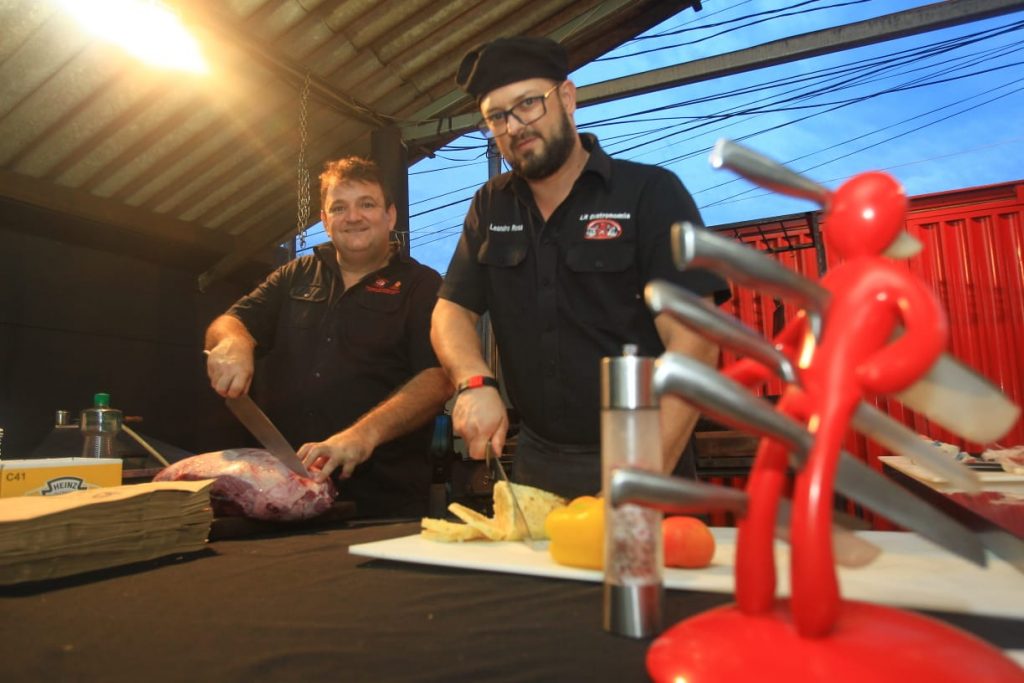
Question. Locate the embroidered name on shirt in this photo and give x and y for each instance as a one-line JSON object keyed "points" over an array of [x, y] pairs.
{"points": [[517, 227], [625, 216], [381, 286]]}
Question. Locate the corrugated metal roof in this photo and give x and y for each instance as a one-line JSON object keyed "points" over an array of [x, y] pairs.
{"points": [[211, 161]]}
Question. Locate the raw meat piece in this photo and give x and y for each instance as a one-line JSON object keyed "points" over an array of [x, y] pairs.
{"points": [[253, 483]]}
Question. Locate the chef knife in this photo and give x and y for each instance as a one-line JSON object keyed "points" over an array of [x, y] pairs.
{"points": [[951, 394], [675, 495], [498, 474], [728, 332], [732, 404], [260, 426]]}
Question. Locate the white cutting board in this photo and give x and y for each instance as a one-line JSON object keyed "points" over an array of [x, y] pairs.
{"points": [[911, 572]]}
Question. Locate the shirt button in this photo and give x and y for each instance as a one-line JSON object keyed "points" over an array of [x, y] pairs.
{"points": [[317, 375], [599, 264], [545, 282], [328, 339]]}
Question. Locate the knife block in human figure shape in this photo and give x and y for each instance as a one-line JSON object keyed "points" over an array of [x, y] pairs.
{"points": [[855, 359], [816, 635]]}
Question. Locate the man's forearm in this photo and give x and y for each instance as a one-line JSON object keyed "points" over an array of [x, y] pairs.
{"points": [[227, 327], [678, 418], [456, 342], [411, 406]]}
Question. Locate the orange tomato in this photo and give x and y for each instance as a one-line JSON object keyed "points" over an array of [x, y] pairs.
{"points": [[688, 542]]}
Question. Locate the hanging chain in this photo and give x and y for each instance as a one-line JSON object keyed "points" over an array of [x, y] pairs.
{"points": [[302, 219]]}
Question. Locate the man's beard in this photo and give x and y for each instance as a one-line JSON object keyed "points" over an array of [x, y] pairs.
{"points": [[555, 152]]}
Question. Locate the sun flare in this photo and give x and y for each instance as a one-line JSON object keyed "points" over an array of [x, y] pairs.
{"points": [[145, 28]]}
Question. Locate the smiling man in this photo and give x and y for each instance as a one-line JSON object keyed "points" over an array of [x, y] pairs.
{"points": [[350, 372], [558, 251]]}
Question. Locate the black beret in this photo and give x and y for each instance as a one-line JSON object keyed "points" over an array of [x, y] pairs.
{"points": [[508, 60]]}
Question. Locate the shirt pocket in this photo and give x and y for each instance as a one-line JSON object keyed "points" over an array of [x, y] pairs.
{"points": [[506, 278], [603, 281], [502, 253], [377, 323], [600, 257], [306, 305]]}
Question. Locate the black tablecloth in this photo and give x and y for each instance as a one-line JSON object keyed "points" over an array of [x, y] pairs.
{"points": [[299, 607]]}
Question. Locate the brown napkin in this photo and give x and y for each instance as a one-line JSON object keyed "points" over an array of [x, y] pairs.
{"points": [[53, 536]]}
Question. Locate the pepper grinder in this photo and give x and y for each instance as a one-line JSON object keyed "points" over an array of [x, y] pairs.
{"points": [[633, 554], [100, 425]]}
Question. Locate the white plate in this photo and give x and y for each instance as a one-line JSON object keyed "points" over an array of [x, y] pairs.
{"points": [[911, 572]]}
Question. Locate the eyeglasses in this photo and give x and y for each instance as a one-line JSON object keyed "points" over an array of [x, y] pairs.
{"points": [[525, 111]]}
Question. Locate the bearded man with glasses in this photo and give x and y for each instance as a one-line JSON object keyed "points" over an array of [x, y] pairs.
{"points": [[558, 251]]}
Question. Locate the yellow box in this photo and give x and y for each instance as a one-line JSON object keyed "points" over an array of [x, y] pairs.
{"points": [[54, 476]]}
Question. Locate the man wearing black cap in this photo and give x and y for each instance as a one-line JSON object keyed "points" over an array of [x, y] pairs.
{"points": [[558, 251]]}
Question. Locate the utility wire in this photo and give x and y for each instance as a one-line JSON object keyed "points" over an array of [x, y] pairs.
{"points": [[888, 139], [776, 14]]}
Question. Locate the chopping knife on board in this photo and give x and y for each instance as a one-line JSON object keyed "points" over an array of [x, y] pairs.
{"points": [[497, 472]]}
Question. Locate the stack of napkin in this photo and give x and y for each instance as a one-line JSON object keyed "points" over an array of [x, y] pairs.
{"points": [[54, 536]]}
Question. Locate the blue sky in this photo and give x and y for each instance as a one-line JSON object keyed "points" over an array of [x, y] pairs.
{"points": [[964, 100]]}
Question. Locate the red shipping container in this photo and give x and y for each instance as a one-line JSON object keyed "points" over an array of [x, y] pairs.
{"points": [[973, 258]]}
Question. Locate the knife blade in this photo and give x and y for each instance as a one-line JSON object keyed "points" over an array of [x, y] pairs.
{"points": [[498, 474], [260, 426], [732, 404], [728, 332], [950, 395], [681, 496]]}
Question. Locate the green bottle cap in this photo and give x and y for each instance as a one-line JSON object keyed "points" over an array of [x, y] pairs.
{"points": [[101, 400]]}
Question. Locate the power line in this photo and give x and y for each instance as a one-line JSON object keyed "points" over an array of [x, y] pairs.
{"points": [[776, 14], [889, 139]]}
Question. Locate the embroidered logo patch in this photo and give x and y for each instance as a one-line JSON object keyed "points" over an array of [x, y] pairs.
{"points": [[602, 229], [381, 286]]}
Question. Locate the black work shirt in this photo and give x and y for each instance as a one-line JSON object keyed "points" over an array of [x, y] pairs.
{"points": [[564, 293], [328, 355]]}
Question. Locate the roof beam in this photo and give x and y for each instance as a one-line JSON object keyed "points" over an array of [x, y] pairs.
{"points": [[39, 193], [880, 29]]}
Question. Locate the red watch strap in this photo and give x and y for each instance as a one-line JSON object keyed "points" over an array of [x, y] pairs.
{"points": [[475, 382]]}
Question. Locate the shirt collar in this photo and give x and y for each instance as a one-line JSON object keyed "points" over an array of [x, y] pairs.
{"points": [[327, 253], [599, 161]]}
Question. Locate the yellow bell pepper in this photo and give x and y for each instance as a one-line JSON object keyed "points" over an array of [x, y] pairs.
{"points": [[577, 533]]}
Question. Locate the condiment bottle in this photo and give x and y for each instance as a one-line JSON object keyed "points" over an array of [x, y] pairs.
{"points": [[633, 554], [100, 425]]}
